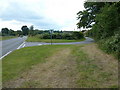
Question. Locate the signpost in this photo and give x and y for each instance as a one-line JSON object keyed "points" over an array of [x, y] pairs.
{"points": [[51, 31]]}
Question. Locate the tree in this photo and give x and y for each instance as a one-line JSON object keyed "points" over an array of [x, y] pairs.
{"points": [[106, 27], [4, 31], [25, 30], [104, 15], [11, 32], [31, 30], [19, 32], [31, 27], [77, 35], [87, 17]]}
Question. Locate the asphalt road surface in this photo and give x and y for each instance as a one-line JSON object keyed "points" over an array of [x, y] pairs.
{"points": [[7, 46], [88, 40], [12, 44]]}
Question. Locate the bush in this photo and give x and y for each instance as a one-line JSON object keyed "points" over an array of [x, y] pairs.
{"points": [[68, 36], [111, 45], [77, 35], [57, 36], [45, 36]]}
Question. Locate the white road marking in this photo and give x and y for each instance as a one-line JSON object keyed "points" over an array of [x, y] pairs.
{"points": [[5, 55], [39, 44], [21, 45]]}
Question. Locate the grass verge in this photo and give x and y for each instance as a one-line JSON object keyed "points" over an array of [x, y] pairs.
{"points": [[95, 68], [36, 39], [6, 37], [22, 60], [73, 63]]}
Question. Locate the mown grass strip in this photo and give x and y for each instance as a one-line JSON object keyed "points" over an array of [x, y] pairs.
{"points": [[23, 59], [36, 39], [90, 73]]}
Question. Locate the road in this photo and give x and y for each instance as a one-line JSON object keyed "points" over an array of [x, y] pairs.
{"points": [[88, 40], [12, 44]]}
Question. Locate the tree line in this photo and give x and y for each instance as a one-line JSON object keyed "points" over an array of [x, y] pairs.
{"points": [[73, 35], [103, 20], [24, 31], [43, 34]]}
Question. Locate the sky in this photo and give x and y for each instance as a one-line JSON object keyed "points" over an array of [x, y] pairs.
{"points": [[42, 14]]}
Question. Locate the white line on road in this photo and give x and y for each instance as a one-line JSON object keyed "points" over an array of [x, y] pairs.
{"points": [[5, 55], [21, 45], [39, 44]]}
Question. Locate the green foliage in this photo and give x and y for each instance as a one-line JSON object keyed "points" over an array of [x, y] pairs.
{"points": [[88, 33], [37, 39], [107, 22], [8, 32], [106, 27], [11, 32], [106, 30], [19, 32], [68, 36], [0, 34], [111, 45], [87, 17], [4, 31], [77, 35], [25, 30], [45, 36], [83, 22], [57, 35], [31, 27]]}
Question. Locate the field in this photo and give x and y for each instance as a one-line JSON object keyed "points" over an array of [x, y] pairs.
{"points": [[36, 39], [6, 37], [60, 66]]}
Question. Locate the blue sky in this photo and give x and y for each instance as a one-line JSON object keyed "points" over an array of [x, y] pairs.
{"points": [[43, 14]]}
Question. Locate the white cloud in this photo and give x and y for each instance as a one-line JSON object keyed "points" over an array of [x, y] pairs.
{"points": [[13, 24], [45, 14]]}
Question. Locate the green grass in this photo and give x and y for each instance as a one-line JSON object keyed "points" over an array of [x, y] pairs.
{"points": [[90, 73], [87, 69], [21, 60], [36, 39], [6, 37]]}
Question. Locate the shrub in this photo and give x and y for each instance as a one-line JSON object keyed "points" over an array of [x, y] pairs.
{"points": [[57, 35], [68, 36], [45, 36], [77, 35], [111, 45]]}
